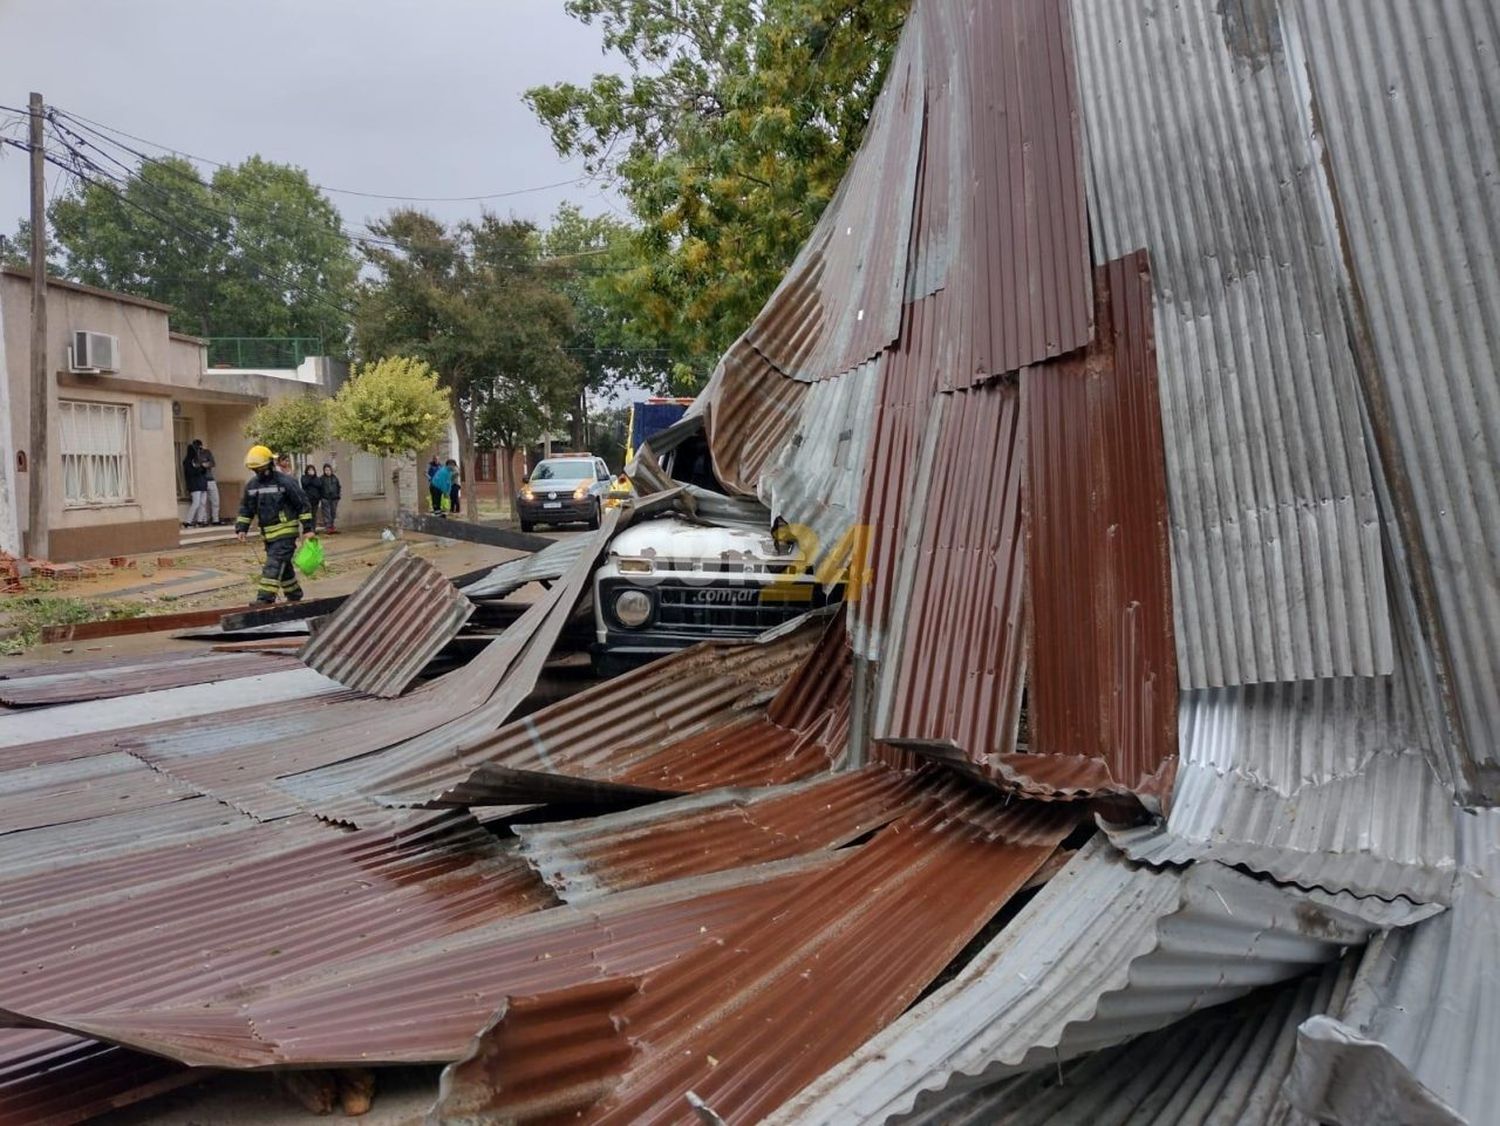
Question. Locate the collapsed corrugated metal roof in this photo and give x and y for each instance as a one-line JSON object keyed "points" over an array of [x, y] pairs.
{"points": [[747, 1021], [1224, 1065], [1106, 951], [1200, 150], [1417, 1036], [386, 631], [53, 1079], [101, 680]]}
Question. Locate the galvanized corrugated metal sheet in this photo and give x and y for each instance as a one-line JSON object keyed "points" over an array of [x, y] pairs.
{"points": [[1225, 1065], [1103, 662], [1404, 96], [1200, 148], [1105, 952], [746, 1022], [1419, 1033], [955, 658], [1326, 783], [102, 680], [708, 832], [542, 566], [386, 631], [815, 478], [81, 789]]}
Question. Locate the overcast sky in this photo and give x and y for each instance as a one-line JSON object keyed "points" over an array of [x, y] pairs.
{"points": [[418, 97]]}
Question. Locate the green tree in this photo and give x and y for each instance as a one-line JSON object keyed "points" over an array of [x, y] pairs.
{"points": [[478, 306], [297, 424], [728, 135], [389, 407], [257, 251]]}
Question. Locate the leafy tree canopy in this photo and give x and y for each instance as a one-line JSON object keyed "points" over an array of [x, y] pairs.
{"points": [[479, 306], [256, 251], [297, 424], [728, 135], [389, 407]]}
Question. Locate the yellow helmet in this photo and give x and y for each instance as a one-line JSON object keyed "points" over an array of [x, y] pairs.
{"points": [[258, 457]]}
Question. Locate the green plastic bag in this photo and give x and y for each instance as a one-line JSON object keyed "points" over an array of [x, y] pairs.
{"points": [[446, 504], [309, 557]]}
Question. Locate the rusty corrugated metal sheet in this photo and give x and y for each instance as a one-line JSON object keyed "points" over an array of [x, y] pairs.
{"points": [[693, 721], [955, 657], [1103, 663], [101, 680], [749, 411], [387, 630], [53, 1079], [708, 832], [746, 1022]]}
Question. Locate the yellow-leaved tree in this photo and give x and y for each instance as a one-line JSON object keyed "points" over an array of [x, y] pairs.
{"points": [[389, 407]]}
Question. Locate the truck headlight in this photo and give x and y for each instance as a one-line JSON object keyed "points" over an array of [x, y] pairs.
{"points": [[632, 608]]}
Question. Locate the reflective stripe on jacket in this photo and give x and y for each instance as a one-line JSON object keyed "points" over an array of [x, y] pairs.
{"points": [[277, 504]]}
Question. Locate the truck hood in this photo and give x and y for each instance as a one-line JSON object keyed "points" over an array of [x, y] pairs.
{"points": [[671, 538]]}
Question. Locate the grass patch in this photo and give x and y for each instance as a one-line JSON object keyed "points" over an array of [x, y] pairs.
{"points": [[31, 613]]}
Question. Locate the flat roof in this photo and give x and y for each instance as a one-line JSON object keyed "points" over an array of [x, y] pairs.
{"points": [[91, 290]]}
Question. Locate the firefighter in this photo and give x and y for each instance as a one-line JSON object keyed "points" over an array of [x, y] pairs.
{"points": [[275, 501]]}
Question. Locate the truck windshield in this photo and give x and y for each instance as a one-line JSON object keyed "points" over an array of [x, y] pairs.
{"points": [[570, 470]]}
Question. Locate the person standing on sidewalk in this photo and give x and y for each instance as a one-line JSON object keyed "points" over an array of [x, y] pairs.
{"points": [[455, 487], [433, 492], [276, 502], [205, 459], [332, 491], [197, 490], [312, 489]]}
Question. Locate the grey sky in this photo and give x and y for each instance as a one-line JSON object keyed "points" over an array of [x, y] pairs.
{"points": [[390, 96]]}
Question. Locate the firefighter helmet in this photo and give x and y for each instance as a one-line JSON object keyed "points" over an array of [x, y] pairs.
{"points": [[258, 457]]}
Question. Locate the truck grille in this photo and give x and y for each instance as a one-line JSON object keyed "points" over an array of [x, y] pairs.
{"points": [[722, 610]]}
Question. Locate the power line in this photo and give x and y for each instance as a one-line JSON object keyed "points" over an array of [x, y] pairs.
{"points": [[95, 126]]}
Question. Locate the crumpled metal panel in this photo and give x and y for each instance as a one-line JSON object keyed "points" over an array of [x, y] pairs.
{"points": [[1404, 96], [745, 1022], [749, 409], [101, 680], [693, 721], [1225, 1065], [707, 832], [1328, 784], [1418, 1036], [954, 661], [543, 566], [1200, 147], [814, 481], [1105, 952], [1103, 680], [387, 630]]}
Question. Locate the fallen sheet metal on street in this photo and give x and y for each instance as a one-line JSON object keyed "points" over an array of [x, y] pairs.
{"points": [[386, 632]]}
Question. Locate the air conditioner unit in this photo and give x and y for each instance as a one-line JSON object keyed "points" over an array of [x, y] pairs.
{"points": [[95, 351]]}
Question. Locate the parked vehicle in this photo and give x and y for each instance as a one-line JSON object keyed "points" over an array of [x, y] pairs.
{"points": [[669, 583], [569, 489]]}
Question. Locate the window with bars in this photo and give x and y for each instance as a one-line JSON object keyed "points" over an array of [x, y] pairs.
{"points": [[368, 474], [95, 447]]}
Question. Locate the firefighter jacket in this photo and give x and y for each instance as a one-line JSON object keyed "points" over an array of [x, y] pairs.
{"points": [[277, 503]]}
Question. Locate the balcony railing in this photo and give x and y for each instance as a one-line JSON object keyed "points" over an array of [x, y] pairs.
{"points": [[262, 351]]}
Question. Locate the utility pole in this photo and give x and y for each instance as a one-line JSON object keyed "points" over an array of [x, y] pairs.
{"points": [[37, 467]]}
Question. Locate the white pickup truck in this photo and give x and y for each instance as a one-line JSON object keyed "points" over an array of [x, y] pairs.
{"points": [[669, 583]]}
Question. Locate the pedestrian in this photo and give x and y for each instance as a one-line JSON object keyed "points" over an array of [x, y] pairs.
{"points": [[332, 490], [432, 490], [275, 501], [442, 481], [455, 489], [312, 489], [284, 464], [205, 457], [196, 484]]}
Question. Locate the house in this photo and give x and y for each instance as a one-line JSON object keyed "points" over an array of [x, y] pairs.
{"points": [[122, 419]]}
